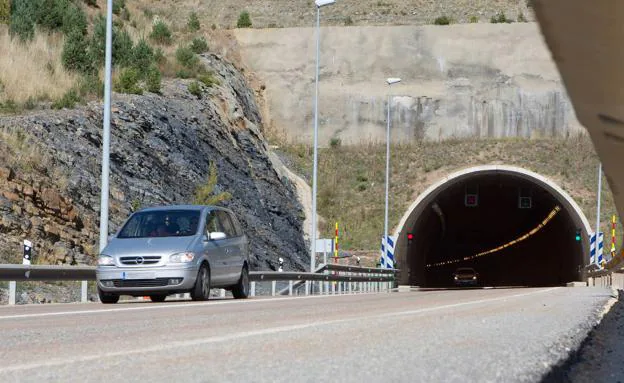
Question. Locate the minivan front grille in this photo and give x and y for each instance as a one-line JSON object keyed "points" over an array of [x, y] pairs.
{"points": [[158, 282], [140, 260]]}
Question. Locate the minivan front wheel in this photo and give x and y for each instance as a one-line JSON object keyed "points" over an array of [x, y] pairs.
{"points": [[107, 298], [241, 289], [201, 291]]}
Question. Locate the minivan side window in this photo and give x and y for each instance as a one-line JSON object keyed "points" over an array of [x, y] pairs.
{"points": [[237, 226], [226, 223], [212, 223]]}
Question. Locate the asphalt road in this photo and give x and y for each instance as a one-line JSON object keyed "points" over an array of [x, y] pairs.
{"points": [[434, 336]]}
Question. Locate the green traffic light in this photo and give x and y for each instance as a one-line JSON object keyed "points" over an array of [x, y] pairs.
{"points": [[578, 237]]}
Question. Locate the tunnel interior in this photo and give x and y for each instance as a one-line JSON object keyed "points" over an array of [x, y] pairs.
{"points": [[455, 228]]}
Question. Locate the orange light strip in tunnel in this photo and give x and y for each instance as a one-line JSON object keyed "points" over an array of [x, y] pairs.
{"points": [[537, 228]]}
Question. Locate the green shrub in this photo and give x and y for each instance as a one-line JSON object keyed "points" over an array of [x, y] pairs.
{"points": [[208, 79], [184, 73], [348, 21], [122, 48], [193, 22], [186, 57], [118, 5], [244, 20], [125, 15], [30, 104], [91, 3], [159, 56], [521, 18], [474, 19], [50, 13], [9, 106], [199, 45], [75, 55], [128, 82], [91, 85], [122, 45], [500, 18], [74, 20], [161, 33], [69, 100], [142, 56], [206, 194], [335, 143], [442, 20], [195, 89], [23, 18], [5, 11], [153, 80]]}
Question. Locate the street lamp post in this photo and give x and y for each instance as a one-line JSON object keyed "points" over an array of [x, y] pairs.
{"points": [[390, 81], [598, 213], [319, 4], [106, 130]]}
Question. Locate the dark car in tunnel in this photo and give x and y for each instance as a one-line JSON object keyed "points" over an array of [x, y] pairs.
{"points": [[465, 276]]}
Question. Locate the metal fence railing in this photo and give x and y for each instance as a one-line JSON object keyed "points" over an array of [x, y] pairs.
{"points": [[330, 279]]}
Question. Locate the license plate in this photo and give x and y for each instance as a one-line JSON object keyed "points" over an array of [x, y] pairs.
{"points": [[130, 275]]}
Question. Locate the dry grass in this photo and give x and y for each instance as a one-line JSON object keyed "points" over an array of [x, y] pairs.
{"points": [[24, 153], [351, 179], [33, 69]]}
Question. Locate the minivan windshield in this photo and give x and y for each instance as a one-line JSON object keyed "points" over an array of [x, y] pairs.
{"points": [[161, 223]]}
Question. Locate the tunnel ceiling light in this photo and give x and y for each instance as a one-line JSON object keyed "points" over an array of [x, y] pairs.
{"points": [[393, 80]]}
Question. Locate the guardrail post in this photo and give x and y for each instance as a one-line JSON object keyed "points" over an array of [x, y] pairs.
{"points": [[273, 288], [12, 289], [326, 288], [83, 292], [320, 287], [307, 287], [252, 290], [350, 287], [339, 288], [290, 287], [333, 290]]}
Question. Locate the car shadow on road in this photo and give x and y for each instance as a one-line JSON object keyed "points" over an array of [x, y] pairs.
{"points": [[600, 358]]}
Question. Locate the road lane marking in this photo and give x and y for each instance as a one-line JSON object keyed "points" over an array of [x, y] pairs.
{"points": [[248, 334], [187, 304]]}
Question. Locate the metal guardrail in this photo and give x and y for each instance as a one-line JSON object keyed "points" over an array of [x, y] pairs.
{"points": [[343, 274], [46, 273]]}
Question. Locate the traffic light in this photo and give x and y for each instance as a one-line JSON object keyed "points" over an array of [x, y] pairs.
{"points": [[471, 196], [410, 237], [578, 236], [524, 203]]}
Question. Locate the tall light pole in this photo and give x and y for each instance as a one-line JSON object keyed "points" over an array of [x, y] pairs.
{"points": [[319, 4], [390, 81], [106, 132], [598, 212]]}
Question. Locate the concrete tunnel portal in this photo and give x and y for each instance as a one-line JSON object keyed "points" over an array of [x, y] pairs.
{"points": [[513, 226]]}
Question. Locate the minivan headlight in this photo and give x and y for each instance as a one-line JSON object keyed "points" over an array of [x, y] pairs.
{"points": [[105, 260], [185, 257]]}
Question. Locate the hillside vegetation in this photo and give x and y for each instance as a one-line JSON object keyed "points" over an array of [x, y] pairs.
{"points": [[57, 52], [302, 13], [351, 178]]}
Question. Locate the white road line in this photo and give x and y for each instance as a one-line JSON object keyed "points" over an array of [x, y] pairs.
{"points": [[248, 334], [178, 305]]}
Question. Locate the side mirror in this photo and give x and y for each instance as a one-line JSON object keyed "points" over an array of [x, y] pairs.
{"points": [[216, 236]]}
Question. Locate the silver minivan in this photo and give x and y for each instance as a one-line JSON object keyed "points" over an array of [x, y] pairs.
{"points": [[175, 249]]}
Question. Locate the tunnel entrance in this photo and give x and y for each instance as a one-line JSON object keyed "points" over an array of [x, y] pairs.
{"points": [[512, 226]]}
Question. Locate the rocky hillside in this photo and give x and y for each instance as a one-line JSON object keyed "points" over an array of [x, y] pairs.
{"points": [[161, 148], [298, 13]]}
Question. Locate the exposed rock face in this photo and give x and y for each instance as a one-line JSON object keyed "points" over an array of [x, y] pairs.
{"points": [[161, 149], [459, 81]]}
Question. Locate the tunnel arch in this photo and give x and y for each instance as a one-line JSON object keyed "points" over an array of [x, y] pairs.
{"points": [[446, 230]]}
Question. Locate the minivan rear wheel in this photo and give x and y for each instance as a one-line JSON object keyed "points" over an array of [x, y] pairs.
{"points": [[107, 298], [201, 291], [241, 289]]}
